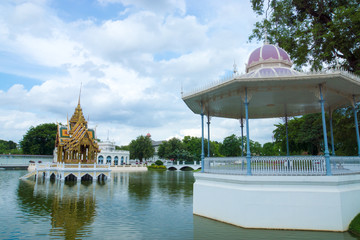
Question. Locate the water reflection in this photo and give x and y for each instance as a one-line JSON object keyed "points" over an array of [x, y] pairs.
{"points": [[205, 228], [71, 206], [146, 205], [142, 186], [139, 185]]}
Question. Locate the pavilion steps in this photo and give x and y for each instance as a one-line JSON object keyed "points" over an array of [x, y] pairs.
{"points": [[30, 174]]}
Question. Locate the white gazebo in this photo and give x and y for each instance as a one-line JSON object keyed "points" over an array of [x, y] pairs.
{"points": [[290, 185]]}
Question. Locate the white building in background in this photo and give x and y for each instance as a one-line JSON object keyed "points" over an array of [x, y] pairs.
{"points": [[156, 145], [108, 154]]}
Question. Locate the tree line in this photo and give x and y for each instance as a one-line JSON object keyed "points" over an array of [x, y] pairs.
{"points": [[39, 140], [9, 147], [305, 134]]}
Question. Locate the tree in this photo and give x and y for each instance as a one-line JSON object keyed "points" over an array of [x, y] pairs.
{"points": [[141, 148], [269, 149], [193, 146], [344, 132], [231, 146], [7, 147], [215, 149], [125, 147], [313, 32], [255, 147], [39, 140], [306, 134], [167, 149]]}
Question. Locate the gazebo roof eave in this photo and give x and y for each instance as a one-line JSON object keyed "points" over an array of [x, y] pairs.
{"points": [[275, 91]]}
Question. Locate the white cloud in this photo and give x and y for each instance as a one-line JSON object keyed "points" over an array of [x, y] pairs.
{"points": [[141, 35], [158, 6], [131, 68]]}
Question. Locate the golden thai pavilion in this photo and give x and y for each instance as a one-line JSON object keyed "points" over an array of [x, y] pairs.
{"points": [[75, 143]]}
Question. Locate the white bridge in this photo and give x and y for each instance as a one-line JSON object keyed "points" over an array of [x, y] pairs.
{"points": [[181, 165]]}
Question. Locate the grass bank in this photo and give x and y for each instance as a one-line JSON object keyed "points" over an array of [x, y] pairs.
{"points": [[354, 226]]}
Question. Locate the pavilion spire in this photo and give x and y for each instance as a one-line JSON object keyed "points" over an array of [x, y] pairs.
{"points": [[80, 94], [67, 119], [182, 90]]}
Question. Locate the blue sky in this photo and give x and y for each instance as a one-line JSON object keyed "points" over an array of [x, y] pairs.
{"points": [[132, 57]]}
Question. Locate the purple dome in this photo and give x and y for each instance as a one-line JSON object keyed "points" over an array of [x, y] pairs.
{"points": [[272, 72], [268, 56]]}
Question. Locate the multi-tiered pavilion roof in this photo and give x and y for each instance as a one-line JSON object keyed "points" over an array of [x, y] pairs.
{"points": [[76, 143]]}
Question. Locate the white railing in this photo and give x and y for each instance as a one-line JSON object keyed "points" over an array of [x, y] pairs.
{"points": [[225, 165], [128, 165], [282, 165], [344, 165], [63, 166]]}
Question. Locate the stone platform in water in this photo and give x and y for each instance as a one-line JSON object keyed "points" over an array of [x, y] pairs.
{"points": [[326, 203], [64, 171]]}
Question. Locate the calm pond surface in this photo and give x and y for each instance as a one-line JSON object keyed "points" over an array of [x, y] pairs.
{"points": [[147, 205]]}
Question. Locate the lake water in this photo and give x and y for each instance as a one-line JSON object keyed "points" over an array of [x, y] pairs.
{"points": [[146, 205]]}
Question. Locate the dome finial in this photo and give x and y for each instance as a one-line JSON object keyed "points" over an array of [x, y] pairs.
{"points": [[235, 68], [266, 37], [337, 62]]}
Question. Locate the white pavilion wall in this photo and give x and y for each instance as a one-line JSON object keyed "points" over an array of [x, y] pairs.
{"points": [[278, 202]]}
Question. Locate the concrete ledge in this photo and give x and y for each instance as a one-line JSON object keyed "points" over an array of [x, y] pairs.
{"points": [[326, 203], [127, 169]]}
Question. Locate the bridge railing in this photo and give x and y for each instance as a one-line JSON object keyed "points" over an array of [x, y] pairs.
{"points": [[175, 163], [23, 160], [282, 165]]}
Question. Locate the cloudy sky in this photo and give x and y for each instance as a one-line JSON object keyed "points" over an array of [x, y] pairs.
{"points": [[132, 58]]}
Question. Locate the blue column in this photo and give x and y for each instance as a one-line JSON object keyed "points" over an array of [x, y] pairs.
{"points": [[242, 142], [326, 152], [248, 154], [332, 134], [242, 136], [202, 138], [356, 125], [287, 136], [208, 123]]}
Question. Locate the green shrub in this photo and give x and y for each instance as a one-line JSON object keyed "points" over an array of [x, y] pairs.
{"points": [[156, 167], [354, 226], [159, 163]]}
